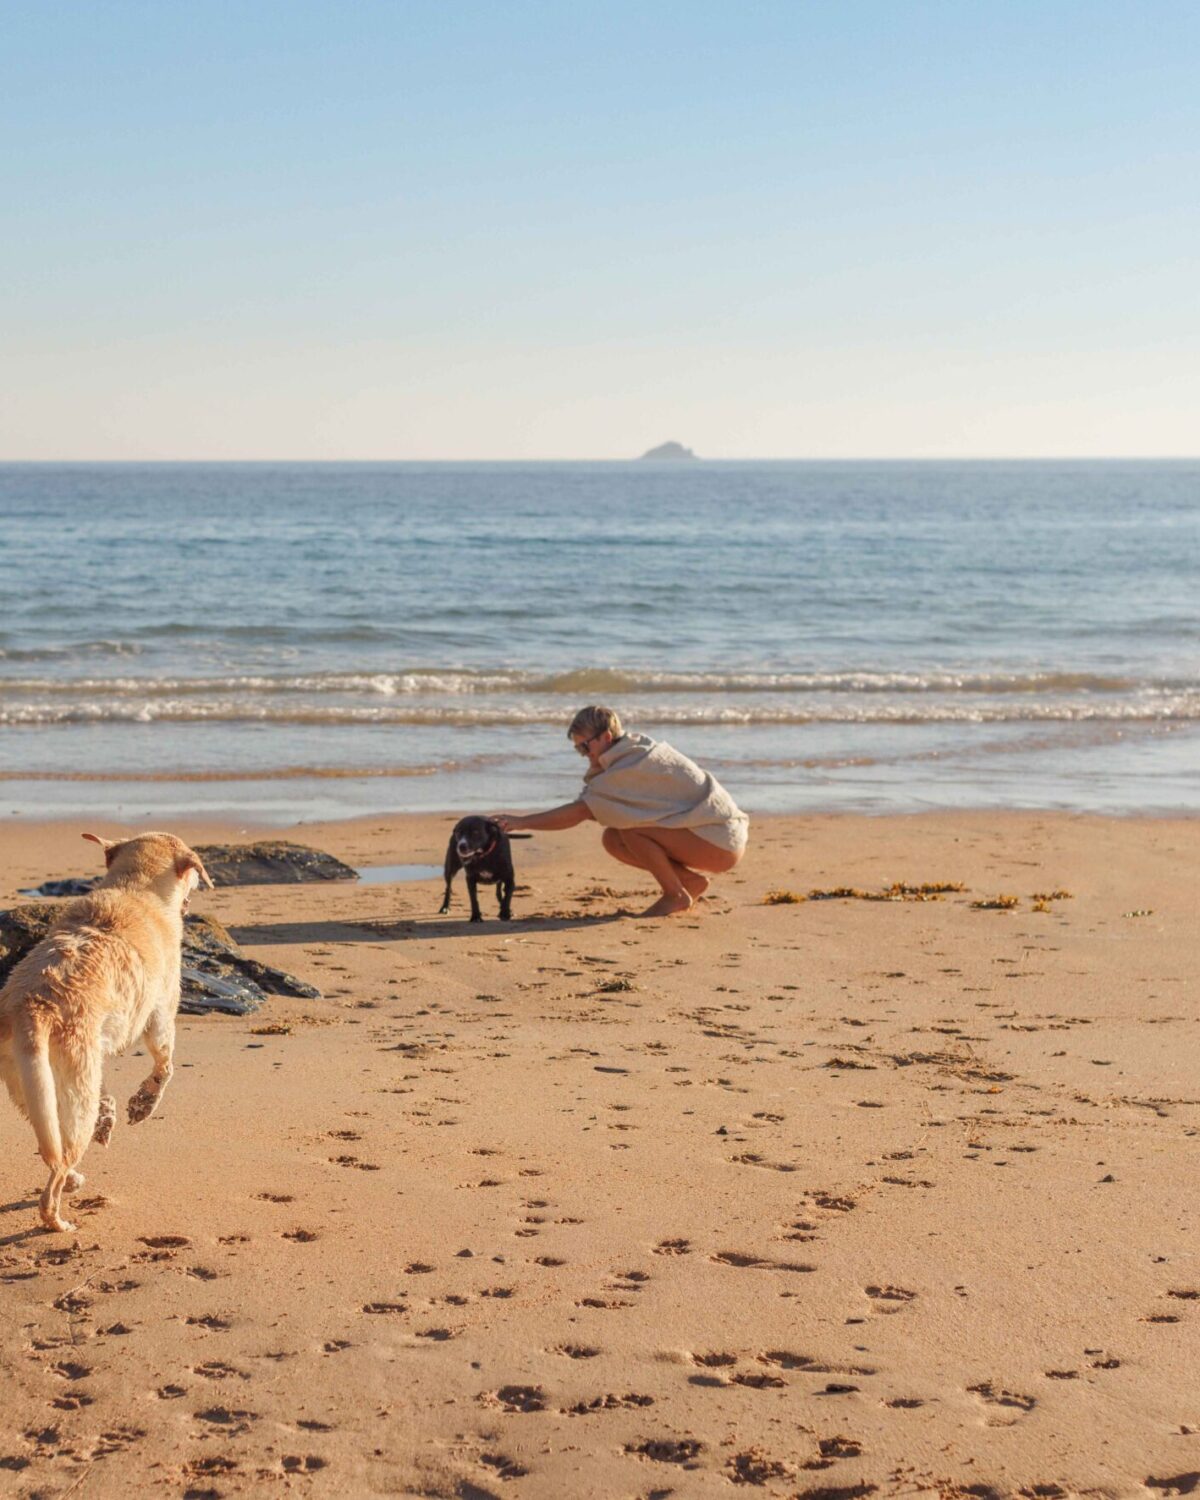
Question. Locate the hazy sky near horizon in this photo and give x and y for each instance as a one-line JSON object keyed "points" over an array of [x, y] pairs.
{"points": [[447, 229]]}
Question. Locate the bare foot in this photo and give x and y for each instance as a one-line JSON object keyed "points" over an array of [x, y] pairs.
{"points": [[694, 883], [669, 905]]}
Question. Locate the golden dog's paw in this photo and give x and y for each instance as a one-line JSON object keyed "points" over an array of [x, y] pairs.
{"points": [[105, 1121], [56, 1224], [141, 1105]]}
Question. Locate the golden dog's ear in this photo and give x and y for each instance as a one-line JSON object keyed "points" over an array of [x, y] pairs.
{"points": [[110, 846], [191, 861]]}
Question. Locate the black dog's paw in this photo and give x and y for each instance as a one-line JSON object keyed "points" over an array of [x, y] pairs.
{"points": [[444, 910], [506, 916], [476, 916]]}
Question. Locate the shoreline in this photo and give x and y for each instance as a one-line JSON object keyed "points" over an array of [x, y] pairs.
{"points": [[234, 824], [842, 1196]]}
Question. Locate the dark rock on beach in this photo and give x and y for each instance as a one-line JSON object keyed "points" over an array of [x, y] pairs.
{"points": [[73, 885], [270, 862], [20, 928], [216, 974]]}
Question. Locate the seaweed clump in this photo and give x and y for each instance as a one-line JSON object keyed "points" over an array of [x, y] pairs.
{"points": [[899, 890]]}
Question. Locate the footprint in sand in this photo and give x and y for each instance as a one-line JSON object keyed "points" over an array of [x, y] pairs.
{"points": [[758, 1380], [755, 1467], [833, 1203], [800, 1231], [164, 1241], [516, 1398], [786, 1359], [714, 1360], [116, 1440], [501, 1466], [673, 1247], [72, 1401], [235, 1420], [215, 1369], [752, 1159], [889, 1299], [838, 1447], [743, 1259], [683, 1451], [207, 1468], [607, 1402], [993, 1395]]}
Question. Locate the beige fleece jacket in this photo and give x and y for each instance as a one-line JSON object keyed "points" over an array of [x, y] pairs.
{"points": [[646, 783]]}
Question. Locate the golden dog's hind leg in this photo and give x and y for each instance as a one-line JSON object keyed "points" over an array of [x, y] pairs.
{"points": [[31, 1054], [105, 1120], [51, 1200], [77, 1087], [160, 1039]]}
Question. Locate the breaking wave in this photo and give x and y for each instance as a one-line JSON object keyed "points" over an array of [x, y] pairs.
{"points": [[1158, 708], [596, 682]]}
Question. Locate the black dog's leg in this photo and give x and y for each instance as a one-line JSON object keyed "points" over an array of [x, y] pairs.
{"points": [[473, 892], [505, 884], [452, 868]]}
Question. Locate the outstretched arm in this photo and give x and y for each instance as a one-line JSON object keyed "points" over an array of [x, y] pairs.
{"points": [[552, 821]]}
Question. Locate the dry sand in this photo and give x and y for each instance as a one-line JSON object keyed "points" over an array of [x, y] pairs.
{"points": [[830, 1199]]}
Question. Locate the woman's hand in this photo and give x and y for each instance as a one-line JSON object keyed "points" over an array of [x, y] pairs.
{"points": [[551, 821]]}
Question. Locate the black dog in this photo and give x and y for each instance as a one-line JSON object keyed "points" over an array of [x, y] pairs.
{"points": [[480, 847]]}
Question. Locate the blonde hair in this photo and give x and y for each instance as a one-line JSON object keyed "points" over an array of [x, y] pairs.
{"points": [[594, 720]]}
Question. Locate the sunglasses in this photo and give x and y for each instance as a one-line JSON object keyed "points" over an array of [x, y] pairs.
{"points": [[584, 747]]}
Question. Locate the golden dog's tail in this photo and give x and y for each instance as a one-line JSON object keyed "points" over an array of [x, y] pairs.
{"points": [[31, 1053]]}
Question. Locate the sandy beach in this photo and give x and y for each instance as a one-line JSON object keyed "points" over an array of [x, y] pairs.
{"points": [[825, 1199]]}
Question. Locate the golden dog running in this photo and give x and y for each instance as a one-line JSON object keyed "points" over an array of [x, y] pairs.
{"points": [[106, 975]]}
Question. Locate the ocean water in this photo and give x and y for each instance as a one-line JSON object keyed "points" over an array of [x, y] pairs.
{"points": [[290, 641]]}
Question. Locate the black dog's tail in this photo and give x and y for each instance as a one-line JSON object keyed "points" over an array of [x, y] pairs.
{"points": [[520, 835]]}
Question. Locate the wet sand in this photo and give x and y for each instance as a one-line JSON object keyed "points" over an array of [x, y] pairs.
{"points": [[824, 1199]]}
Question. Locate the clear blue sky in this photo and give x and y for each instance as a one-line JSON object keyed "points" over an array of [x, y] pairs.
{"points": [[462, 230]]}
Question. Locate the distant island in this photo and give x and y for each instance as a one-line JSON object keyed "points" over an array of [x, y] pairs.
{"points": [[669, 451]]}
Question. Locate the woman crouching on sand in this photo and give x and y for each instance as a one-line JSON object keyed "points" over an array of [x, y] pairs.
{"points": [[661, 813]]}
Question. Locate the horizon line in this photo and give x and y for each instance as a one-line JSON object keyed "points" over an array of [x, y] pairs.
{"points": [[653, 463]]}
